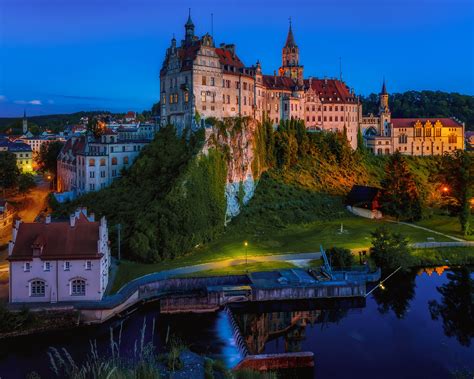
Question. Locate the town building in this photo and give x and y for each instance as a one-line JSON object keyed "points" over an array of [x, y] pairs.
{"points": [[384, 135], [199, 80], [59, 261], [88, 164], [22, 152], [364, 201]]}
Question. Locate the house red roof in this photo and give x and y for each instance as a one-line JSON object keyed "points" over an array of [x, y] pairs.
{"points": [[410, 122], [57, 240]]}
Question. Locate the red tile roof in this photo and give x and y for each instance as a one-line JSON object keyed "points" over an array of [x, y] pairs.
{"points": [[58, 240], [409, 122], [278, 82], [330, 89], [226, 57]]}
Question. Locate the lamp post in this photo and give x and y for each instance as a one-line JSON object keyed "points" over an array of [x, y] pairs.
{"points": [[246, 256]]}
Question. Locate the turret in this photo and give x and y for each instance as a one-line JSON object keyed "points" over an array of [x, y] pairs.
{"points": [[25, 123], [189, 28]]}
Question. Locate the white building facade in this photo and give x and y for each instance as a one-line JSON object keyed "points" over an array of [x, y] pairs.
{"points": [[59, 261]]}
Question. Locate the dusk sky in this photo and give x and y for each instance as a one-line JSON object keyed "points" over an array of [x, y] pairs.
{"points": [[61, 56]]}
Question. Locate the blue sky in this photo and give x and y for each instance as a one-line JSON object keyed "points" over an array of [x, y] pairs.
{"points": [[59, 56]]}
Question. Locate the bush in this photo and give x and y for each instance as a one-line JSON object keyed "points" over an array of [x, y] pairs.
{"points": [[390, 250], [339, 257]]}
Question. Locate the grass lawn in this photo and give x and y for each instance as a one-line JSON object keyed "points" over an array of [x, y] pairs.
{"points": [[268, 241], [445, 224], [243, 269], [445, 256]]}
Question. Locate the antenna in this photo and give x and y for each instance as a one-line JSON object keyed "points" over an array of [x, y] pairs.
{"points": [[212, 25], [340, 69]]}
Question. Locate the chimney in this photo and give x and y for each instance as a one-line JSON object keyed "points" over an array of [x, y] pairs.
{"points": [[48, 219], [92, 217], [11, 244], [72, 220]]}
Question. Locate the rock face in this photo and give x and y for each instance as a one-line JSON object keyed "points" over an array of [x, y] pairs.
{"points": [[237, 139]]}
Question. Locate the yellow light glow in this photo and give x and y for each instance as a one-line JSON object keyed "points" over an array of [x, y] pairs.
{"points": [[246, 244], [382, 287]]}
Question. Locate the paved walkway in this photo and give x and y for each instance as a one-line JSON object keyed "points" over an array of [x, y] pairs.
{"points": [[427, 230]]}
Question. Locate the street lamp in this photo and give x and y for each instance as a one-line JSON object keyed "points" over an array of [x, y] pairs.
{"points": [[246, 255]]}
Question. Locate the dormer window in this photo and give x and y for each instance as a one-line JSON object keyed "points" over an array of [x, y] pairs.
{"points": [[67, 266], [26, 267]]}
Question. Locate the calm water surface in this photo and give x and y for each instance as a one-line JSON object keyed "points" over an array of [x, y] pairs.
{"points": [[420, 326]]}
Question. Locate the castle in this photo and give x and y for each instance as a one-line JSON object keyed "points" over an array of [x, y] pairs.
{"points": [[199, 80]]}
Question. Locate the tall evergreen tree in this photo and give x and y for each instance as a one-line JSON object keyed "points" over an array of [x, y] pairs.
{"points": [[400, 195]]}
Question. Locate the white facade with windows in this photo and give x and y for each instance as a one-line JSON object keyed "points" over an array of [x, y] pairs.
{"points": [[59, 261]]}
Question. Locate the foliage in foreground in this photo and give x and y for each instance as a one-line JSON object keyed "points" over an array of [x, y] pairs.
{"points": [[12, 321]]}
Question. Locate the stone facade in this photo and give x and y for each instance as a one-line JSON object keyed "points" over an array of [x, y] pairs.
{"points": [[411, 136], [199, 80]]}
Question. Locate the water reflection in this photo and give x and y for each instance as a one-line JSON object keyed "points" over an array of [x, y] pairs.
{"points": [[262, 323], [398, 293], [456, 307]]}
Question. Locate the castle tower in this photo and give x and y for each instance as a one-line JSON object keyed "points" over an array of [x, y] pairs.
{"points": [[291, 58], [25, 123], [189, 28], [384, 113], [383, 108]]}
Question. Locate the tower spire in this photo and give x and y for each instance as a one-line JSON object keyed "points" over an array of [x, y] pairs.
{"points": [[189, 27], [384, 88], [290, 39]]}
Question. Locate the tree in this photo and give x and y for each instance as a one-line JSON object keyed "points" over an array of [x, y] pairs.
{"points": [[360, 140], [47, 157], [9, 171], [457, 172], [400, 197], [95, 127], [390, 250], [339, 257], [25, 183]]}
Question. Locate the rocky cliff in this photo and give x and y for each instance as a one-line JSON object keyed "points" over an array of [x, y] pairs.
{"points": [[237, 138]]}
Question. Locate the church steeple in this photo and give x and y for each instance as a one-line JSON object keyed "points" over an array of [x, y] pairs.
{"points": [[25, 122], [189, 27]]}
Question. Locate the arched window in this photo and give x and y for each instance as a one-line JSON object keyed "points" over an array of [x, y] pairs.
{"points": [[78, 287], [102, 161], [37, 288], [403, 138], [114, 161]]}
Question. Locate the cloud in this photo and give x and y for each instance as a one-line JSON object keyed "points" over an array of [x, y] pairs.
{"points": [[32, 102]]}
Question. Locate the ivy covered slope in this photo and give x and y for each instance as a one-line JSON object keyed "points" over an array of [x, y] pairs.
{"points": [[170, 200]]}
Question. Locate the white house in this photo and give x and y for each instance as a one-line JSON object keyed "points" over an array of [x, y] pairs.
{"points": [[59, 261]]}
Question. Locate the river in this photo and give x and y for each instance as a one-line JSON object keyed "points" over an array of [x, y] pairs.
{"points": [[421, 325]]}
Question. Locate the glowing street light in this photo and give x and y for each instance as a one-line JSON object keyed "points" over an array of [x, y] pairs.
{"points": [[445, 189], [246, 255]]}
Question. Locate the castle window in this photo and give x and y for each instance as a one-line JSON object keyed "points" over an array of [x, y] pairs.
{"points": [[102, 161], [417, 132], [186, 96], [204, 80], [336, 119], [428, 132], [203, 96], [452, 138], [212, 81], [438, 132], [403, 138]]}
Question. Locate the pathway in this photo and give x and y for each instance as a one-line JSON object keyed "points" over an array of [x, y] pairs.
{"points": [[428, 230]]}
